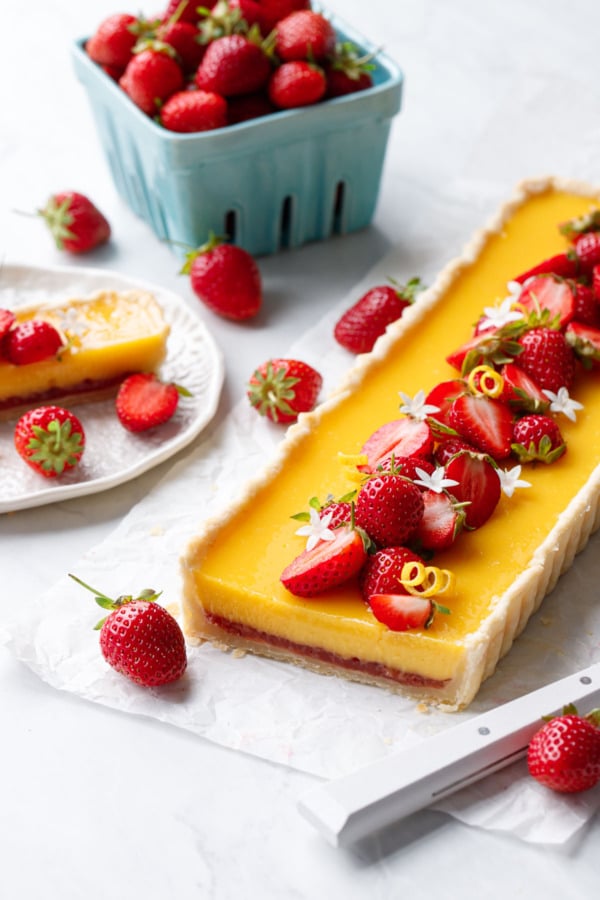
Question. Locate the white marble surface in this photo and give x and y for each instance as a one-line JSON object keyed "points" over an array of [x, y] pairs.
{"points": [[96, 803]]}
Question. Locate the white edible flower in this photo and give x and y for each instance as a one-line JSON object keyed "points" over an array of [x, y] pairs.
{"points": [[510, 480], [415, 407], [72, 323], [503, 314], [435, 481], [562, 403], [317, 530]]}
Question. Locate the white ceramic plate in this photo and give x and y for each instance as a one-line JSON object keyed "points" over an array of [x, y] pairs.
{"points": [[112, 455]]}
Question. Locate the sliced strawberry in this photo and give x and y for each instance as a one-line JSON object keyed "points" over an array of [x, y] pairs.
{"points": [[442, 521], [585, 342], [564, 265], [401, 437], [327, 565], [382, 572], [520, 391], [144, 402], [484, 422], [478, 486], [551, 293], [401, 612], [7, 320]]}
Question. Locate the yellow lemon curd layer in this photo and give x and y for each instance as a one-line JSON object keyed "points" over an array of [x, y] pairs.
{"points": [[106, 336], [502, 571]]}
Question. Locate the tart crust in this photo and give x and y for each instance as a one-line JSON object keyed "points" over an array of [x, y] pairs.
{"points": [[475, 657]]}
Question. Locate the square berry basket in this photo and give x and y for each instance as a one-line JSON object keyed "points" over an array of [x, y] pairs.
{"points": [[271, 183]]}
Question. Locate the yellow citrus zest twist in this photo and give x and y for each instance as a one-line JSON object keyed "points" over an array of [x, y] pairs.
{"points": [[350, 463], [483, 380], [426, 581]]}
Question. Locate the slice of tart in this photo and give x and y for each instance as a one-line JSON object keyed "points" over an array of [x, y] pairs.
{"points": [[233, 593], [104, 338]]}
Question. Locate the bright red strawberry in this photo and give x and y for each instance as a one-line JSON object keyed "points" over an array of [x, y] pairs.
{"points": [[113, 41], [483, 422], [585, 342], [587, 248], [442, 522], [402, 612], [478, 486], [347, 71], [389, 508], [270, 11], [327, 565], [564, 754], [151, 77], [233, 65], [383, 569], [75, 223], [587, 308], [183, 38], [30, 342], [192, 111], [143, 401], [398, 438], [551, 293], [139, 638], [443, 396], [565, 265], [339, 511], [283, 388], [50, 439], [7, 320], [359, 327], [226, 278], [547, 358], [445, 450], [295, 84], [537, 437], [520, 391], [305, 34]]}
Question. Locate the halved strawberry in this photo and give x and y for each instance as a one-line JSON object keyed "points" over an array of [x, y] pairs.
{"points": [[382, 572], [144, 402], [327, 565], [442, 521], [520, 391], [551, 293], [443, 395], [401, 612], [401, 437], [478, 486], [563, 264], [7, 320], [493, 347], [484, 422], [585, 342]]}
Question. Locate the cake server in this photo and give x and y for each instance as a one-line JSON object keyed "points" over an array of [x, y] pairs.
{"points": [[350, 808]]}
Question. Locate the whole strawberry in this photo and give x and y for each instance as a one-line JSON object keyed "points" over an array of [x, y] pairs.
{"points": [[304, 35], [183, 38], [389, 508], [140, 639], [113, 41], [233, 65], [347, 71], [283, 388], [144, 402], [75, 223], [267, 13], [50, 439], [360, 326], [226, 278], [382, 572], [537, 437], [295, 84], [151, 77], [547, 358], [564, 754], [192, 111], [31, 341]]}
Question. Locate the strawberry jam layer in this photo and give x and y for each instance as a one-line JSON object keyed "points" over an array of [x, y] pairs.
{"points": [[89, 386], [373, 669]]}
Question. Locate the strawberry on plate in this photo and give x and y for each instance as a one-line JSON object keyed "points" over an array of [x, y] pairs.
{"points": [[389, 508], [402, 612], [76, 224], [50, 439], [226, 278], [7, 320], [478, 486], [359, 326], [326, 565], [283, 388], [143, 401], [139, 638], [484, 422], [564, 754], [31, 341]]}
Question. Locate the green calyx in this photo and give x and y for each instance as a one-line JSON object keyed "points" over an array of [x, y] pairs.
{"points": [[213, 241], [58, 218], [55, 447], [582, 224], [271, 390], [148, 594], [347, 59], [543, 451]]}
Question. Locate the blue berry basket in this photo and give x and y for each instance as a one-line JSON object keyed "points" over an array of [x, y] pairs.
{"points": [[270, 183]]}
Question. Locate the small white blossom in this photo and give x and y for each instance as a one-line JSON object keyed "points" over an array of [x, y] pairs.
{"points": [[501, 315], [510, 479], [72, 323], [415, 407], [562, 403], [434, 482], [317, 530]]}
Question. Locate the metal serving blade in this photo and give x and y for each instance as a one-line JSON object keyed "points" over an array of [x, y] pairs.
{"points": [[348, 809]]}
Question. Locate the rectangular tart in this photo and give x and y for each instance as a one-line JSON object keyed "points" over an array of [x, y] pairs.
{"points": [[106, 337], [232, 589]]}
